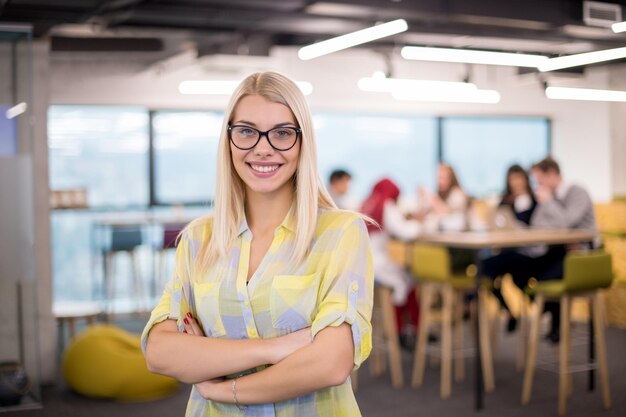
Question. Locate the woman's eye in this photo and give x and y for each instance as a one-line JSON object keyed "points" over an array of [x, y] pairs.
{"points": [[245, 131], [283, 133]]}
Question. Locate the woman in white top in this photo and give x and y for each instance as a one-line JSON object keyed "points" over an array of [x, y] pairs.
{"points": [[382, 207], [447, 209]]}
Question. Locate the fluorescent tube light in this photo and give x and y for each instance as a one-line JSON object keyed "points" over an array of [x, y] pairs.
{"points": [[563, 93], [469, 56], [477, 96], [206, 87], [16, 110], [352, 39], [582, 59], [619, 27], [389, 85]]}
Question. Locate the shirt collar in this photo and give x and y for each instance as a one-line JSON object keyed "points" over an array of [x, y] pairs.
{"points": [[243, 226], [288, 223]]}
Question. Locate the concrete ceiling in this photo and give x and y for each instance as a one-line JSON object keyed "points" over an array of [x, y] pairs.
{"points": [[253, 27]]}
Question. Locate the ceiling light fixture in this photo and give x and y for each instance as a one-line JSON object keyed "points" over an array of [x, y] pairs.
{"points": [[582, 59], [448, 96], [428, 90], [206, 87], [619, 27], [588, 94], [352, 39], [469, 56], [378, 83], [16, 110]]}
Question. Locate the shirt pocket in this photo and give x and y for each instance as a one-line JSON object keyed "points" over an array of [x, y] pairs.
{"points": [[293, 301], [207, 301]]}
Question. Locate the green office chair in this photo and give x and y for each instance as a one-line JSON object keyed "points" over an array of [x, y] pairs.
{"points": [[585, 274], [431, 265]]}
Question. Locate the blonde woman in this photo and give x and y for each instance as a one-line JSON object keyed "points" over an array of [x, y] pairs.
{"points": [[269, 308]]}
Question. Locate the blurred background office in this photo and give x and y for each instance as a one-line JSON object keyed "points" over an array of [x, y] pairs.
{"points": [[110, 114]]}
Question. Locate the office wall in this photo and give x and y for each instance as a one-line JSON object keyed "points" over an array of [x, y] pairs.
{"points": [[581, 130], [617, 81]]}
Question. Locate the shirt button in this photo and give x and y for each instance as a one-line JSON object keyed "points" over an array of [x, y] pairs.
{"points": [[246, 303], [355, 287], [253, 333]]}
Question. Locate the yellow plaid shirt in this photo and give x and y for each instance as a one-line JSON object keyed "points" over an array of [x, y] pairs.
{"points": [[333, 285]]}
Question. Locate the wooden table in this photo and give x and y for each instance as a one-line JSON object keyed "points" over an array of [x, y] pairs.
{"points": [[500, 239]]}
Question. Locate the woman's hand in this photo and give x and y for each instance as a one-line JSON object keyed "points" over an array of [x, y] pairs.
{"points": [[215, 390], [191, 326]]}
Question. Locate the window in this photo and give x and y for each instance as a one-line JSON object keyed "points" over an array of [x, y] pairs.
{"points": [[102, 149], [481, 149], [106, 151], [370, 147], [185, 153]]}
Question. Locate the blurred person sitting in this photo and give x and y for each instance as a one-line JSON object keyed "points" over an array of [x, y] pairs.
{"points": [[382, 206], [446, 209], [518, 195], [339, 185], [560, 205]]}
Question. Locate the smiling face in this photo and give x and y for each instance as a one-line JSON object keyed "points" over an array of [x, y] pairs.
{"points": [[263, 169]]}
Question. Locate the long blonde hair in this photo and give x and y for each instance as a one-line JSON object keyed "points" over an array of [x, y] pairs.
{"points": [[310, 192]]}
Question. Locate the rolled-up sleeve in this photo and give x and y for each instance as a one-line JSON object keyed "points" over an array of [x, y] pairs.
{"points": [[346, 290], [173, 300]]}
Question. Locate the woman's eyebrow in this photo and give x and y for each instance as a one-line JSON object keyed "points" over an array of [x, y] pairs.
{"points": [[247, 122]]}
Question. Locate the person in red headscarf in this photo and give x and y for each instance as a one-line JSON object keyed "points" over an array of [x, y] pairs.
{"points": [[382, 206]]}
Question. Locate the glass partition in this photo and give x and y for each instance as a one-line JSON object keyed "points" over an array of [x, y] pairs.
{"points": [[19, 343]]}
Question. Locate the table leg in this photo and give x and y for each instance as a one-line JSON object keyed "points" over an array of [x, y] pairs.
{"points": [[592, 348], [479, 388]]}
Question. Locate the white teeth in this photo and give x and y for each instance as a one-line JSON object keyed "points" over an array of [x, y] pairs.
{"points": [[264, 168]]}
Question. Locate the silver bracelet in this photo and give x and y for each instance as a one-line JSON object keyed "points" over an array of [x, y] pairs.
{"points": [[234, 388]]}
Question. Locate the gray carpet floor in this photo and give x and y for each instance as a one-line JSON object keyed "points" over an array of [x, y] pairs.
{"points": [[377, 399]]}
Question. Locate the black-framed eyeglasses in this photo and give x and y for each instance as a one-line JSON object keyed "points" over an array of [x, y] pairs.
{"points": [[279, 138]]}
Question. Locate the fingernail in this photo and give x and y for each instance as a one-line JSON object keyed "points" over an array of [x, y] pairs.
{"points": [[186, 321], [184, 331], [189, 315]]}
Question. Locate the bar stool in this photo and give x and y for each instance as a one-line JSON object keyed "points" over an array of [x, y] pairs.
{"points": [[384, 339], [432, 267], [124, 239], [585, 274], [168, 244], [385, 334]]}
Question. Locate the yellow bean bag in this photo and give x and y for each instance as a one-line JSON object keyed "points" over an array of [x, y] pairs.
{"points": [[106, 362]]}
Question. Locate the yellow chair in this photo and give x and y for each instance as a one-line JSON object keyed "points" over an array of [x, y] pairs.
{"points": [[585, 275], [107, 362], [432, 267]]}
